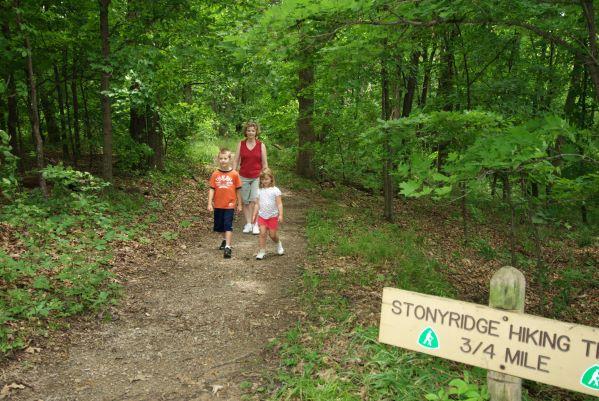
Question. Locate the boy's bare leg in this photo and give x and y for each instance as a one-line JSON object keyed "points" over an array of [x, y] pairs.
{"points": [[262, 237], [228, 236]]}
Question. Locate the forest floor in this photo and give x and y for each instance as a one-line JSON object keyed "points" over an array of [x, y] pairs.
{"points": [[194, 326], [190, 326]]}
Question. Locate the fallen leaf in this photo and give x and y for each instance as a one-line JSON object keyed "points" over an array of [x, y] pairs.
{"points": [[32, 350], [216, 388], [5, 392], [139, 377]]}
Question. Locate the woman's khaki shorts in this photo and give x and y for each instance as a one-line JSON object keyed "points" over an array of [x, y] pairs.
{"points": [[249, 189]]}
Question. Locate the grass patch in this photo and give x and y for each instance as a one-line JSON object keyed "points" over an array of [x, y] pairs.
{"points": [[333, 355], [330, 356]]}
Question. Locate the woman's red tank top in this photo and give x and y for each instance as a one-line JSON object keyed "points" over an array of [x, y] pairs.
{"points": [[251, 160]]}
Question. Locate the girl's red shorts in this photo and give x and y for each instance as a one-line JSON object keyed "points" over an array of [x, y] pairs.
{"points": [[271, 223]]}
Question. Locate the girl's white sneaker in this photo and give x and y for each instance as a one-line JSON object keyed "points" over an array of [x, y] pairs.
{"points": [[261, 254], [255, 229], [247, 228], [280, 250]]}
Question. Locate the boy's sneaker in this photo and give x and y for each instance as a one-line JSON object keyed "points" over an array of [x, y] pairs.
{"points": [[228, 251], [256, 229], [222, 245], [261, 254], [247, 228], [280, 250]]}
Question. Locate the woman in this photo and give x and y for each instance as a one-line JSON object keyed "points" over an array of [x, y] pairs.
{"points": [[250, 160]]}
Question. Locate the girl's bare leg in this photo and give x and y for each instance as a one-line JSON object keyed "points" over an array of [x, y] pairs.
{"points": [[274, 235], [262, 237]]}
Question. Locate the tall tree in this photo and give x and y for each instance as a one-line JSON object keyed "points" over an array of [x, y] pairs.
{"points": [[34, 113], [105, 87]]}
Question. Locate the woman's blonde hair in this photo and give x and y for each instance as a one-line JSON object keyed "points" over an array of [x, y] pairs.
{"points": [[267, 173], [251, 124]]}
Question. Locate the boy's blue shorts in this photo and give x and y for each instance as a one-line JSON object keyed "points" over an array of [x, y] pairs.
{"points": [[223, 220]]}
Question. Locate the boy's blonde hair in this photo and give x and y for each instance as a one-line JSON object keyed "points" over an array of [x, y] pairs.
{"points": [[224, 151], [267, 173], [251, 124]]}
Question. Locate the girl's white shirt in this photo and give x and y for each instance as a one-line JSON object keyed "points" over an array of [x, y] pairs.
{"points": [[267, 197]]}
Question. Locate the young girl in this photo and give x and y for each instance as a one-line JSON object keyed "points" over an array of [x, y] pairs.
{"points": [[269, 212]]}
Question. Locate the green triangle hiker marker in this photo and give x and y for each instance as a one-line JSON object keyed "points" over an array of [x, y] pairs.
{"points": [[428, 339], [590, 378]]}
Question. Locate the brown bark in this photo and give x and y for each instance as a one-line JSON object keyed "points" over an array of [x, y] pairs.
{"points": [[573, 91], [35, 122], [387, 162], [426, 80], [155, 141], [105, 87], [69, 132], [88, 127], [51, 124], [137, 119], [63, 124], [446, 79], [592, 61], [305, 128], [13, 118], [408, 99], [466, 70], [77, 132]]}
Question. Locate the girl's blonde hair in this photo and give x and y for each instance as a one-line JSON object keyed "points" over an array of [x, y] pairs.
{"points": [[251, 124], [267, 173]]}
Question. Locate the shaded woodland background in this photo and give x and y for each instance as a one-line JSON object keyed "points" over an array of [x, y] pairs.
{"points": [[459, 135]]}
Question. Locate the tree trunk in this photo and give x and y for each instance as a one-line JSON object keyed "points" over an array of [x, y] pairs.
{"points": [[51, 124], [466, 71], [447, 71], [582, 100], [69, 136], [155, 141], [464, 210], [387, 157], [137, 119], [426, 80], [35, 122], [13, 120], [512, 234], [105, 87], [63, 124], [305, 128], [573, 91], [88, 127], [77, 147], [408, 99], [593, 60]]}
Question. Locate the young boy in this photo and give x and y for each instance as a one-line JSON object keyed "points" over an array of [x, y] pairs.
{"points": [[224, 191]]}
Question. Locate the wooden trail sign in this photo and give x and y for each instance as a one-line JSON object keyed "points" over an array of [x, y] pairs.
{"points": [[532, 347]]}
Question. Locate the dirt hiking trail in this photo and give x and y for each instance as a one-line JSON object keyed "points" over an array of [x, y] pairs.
{"points": [[192, 327]]}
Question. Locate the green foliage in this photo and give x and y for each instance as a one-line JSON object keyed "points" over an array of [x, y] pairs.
{"points": [[60, 263], [69, 180], [8, 168], [461, 389]]}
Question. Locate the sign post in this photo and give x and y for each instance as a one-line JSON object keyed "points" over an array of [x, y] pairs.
{"points": [[504, 340], [507, 290]]}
